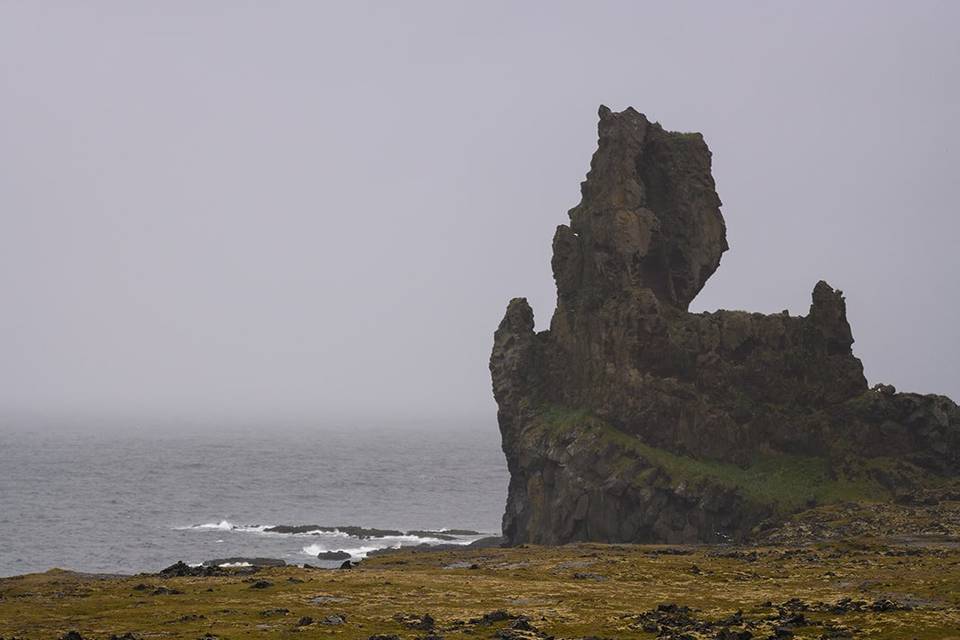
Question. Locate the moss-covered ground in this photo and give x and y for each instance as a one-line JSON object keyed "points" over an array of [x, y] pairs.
{"points": [[786, 483], [862, 588]]}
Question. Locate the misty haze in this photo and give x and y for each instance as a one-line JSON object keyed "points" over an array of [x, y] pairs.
{"points": [[432, 319]]}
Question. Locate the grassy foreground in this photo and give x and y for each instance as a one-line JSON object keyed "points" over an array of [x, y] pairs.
{"points": [[859, 589]]}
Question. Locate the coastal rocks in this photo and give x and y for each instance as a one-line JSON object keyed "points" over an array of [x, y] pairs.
{"points": [[356, 532], [489, 542], [634, 420], [333, 555], [240, 561], [219, 567], [181, 569]]}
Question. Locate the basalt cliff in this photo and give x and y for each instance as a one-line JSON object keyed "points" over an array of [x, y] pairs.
{"points": [[633, 420]]}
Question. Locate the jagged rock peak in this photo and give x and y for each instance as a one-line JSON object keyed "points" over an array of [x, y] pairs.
{"points": [[633, 420], [649, 216], [828, 312]]}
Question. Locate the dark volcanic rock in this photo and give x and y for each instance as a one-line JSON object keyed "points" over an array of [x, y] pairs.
{"points": [[489, 542], [633, 420], [357, 532], [334, 555], [180, 569], [253, 562]]}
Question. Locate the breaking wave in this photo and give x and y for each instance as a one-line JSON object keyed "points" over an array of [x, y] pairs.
{"points": [[375, 544], [354, 540], [225, 525]]}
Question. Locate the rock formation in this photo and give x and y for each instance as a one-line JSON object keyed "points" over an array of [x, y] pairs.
{"points": [[633, 420]]}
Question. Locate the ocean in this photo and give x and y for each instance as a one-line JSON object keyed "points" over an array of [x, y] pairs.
{"points": [[139, 501]]}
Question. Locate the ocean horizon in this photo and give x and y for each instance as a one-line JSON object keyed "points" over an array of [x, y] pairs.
{"points": [[129, 502]]}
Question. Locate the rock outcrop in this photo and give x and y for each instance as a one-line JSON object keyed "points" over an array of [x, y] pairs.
{"points": [[633, 420]]}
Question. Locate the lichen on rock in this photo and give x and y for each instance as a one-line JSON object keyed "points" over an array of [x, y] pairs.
{"points": [[633, 420]]}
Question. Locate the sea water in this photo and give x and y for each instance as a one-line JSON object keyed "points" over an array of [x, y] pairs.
{"points": [[140, 500]]}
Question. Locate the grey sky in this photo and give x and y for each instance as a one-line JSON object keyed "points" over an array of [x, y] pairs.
{"points": [[233, 212]]}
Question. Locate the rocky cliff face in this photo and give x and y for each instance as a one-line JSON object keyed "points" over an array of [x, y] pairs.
{"points": [[634, 420]]}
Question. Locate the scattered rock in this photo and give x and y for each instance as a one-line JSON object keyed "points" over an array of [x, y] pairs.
{"points": [[424, 622], [327, 599], [588, 576], [498, 615], [261, 584], [333, 555]]}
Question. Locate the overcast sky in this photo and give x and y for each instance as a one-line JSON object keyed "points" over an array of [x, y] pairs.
{"points": [[225, 212]]}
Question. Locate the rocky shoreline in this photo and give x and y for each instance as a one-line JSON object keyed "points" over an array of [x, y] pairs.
{"points": [[861, 587]]}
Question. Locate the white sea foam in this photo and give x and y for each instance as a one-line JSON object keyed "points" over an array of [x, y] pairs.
{"points": [[314, 550], [225, 525], [235, 564], [373, 544], [252, 528], [336, 533], [336, 540]]}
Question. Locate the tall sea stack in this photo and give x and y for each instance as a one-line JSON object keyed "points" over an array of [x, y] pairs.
{"points": [[633, 420]]}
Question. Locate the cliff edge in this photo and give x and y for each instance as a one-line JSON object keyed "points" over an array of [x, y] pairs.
{"points": [[633, 420]]}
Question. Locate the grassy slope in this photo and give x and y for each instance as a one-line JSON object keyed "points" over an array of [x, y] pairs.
{"points": [[535, 581], [786, 482]]}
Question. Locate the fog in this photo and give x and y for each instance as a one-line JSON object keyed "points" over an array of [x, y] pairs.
{"points": [[227, 213]]}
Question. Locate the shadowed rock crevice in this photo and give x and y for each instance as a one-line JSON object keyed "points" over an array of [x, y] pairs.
{"points": [[635, 420]]}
